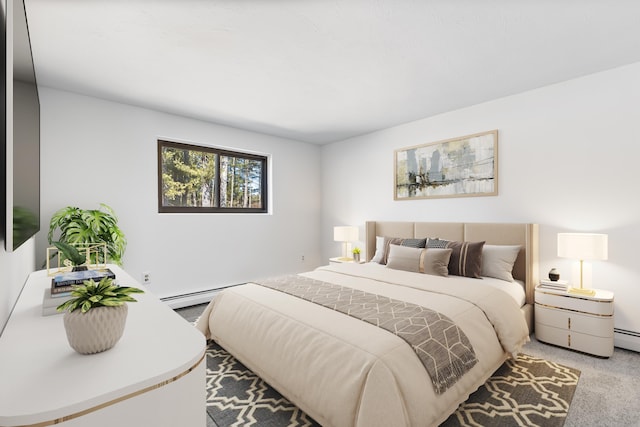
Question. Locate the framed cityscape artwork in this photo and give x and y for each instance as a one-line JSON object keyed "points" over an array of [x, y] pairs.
{"points": [[458, 167]]}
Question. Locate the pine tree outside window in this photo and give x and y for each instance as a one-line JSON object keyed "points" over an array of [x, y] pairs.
{"points": [[195, 178]]}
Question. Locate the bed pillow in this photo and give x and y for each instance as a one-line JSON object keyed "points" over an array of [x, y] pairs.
{"points": [[498, 260], [434, 242], [466, 259], [436, 261], [382, 248], [419, 260], [383, 243], [404, 258], [377, 257], [414, 243]]}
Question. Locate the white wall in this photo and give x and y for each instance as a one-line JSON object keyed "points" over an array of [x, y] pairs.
{"points": [[14, 269], [568, 160], [98, 151]]}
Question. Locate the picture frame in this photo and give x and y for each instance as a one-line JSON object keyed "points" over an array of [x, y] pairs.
{"points": [[459, 167]]}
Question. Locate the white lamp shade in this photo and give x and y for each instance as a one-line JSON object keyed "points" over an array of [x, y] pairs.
{"points": [[583, 246], [345, 234]]}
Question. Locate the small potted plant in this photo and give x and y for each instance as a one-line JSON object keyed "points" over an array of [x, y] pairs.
{"points": [[96, 314], [356, 254]]}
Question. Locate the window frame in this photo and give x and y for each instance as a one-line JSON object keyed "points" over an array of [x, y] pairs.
{"points": [[264, 190]]}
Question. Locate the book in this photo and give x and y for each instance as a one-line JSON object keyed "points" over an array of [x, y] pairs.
{"points": [[50, 302], [561, 285], [60, 291], [553, 283], [78, 277]]}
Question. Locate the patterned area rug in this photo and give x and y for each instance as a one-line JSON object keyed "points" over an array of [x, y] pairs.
{"points": [[238, 397], [526, 392]]}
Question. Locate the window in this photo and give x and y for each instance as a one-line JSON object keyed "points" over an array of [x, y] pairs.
{"points": [[205, 179]]}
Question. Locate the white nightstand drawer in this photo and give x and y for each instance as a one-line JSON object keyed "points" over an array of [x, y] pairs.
{"points": [[601, 326], [575, 303], [600, 346], [579, 322]]}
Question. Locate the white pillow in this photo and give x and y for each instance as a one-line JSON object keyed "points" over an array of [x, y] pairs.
{"points": [[498, 260], [377, 257]]}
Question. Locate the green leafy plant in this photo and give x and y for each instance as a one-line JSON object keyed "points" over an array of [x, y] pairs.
{"points": [[70, 252], [102, 294], [77, 225], [356, 250]]}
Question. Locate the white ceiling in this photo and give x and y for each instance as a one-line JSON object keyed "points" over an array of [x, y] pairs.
{"points": [[323, 70]]}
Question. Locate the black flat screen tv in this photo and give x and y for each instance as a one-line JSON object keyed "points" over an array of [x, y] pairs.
{"points": [[21, 129]]}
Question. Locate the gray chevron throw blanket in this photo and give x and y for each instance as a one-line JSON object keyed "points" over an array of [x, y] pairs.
{"points": [[443, 349]]}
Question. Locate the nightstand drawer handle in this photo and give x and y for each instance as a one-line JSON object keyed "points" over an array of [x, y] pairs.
{"points": [[569, 323], [568, 340]]}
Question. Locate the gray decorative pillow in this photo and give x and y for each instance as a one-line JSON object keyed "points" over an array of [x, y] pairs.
{"points": [[419, 260], [404, 258], [498, 260], [466, 259], [436, 243], [414, 243], [436, 261]]}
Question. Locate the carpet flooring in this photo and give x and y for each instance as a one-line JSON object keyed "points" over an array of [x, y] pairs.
{"points": [[526, 392]]}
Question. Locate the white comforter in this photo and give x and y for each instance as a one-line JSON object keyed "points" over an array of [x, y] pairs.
{"points": [[345, 372]]}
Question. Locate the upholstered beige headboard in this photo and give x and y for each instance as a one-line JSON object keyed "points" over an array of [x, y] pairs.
{"points": [[526, 235]]}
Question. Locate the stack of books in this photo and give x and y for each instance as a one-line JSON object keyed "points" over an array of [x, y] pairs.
{"points": [[62, 284], [50, 305], [558, 285]]}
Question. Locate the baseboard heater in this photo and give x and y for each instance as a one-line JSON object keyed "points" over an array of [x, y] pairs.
{"points": [[629, 340], [192, 298]]}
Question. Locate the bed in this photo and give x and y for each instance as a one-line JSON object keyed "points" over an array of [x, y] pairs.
{"points": [[344, 371]]}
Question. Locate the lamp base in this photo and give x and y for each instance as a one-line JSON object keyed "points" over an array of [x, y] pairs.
{"points": [[582, 291]]}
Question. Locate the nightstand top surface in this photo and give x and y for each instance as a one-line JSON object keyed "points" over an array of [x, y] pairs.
{"points": [[342, 260], [600, 295]]}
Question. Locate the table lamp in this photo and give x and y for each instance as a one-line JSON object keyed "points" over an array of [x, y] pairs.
{"points": [[583, 246], [345, 234]]}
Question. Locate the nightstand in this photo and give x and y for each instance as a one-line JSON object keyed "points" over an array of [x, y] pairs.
{"points": [[339, 260], [578, 322]]}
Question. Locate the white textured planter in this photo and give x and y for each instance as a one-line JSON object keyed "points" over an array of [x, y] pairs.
{"points": [[97, 330]]}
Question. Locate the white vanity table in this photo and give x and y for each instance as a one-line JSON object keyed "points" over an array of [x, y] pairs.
{"points": [[155, 374]]}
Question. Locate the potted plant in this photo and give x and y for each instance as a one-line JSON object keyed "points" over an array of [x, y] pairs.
{"points": [[77, 225], [356, 254], [77, 260], [95, 316]]}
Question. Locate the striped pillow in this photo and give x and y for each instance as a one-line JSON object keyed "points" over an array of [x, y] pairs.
{"points": [[466, 259], [419, 260], [382, 246]]}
